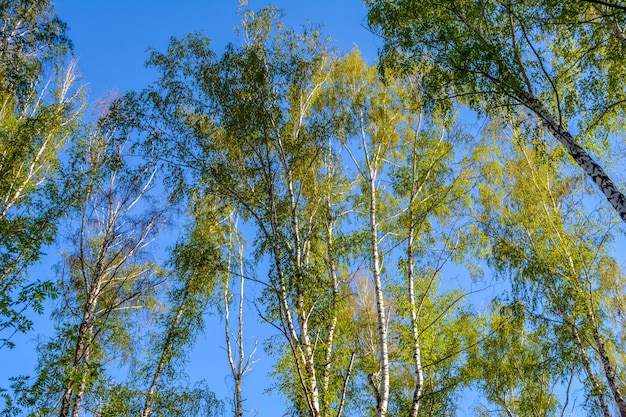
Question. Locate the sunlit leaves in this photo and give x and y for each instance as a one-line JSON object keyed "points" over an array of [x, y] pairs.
{"points": [[518, 59], [38, 114]]}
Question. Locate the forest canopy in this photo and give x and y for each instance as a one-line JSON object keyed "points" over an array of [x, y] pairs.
{"points": [[440, 233]]}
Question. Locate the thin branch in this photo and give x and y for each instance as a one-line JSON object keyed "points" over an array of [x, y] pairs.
{"points": [[607, 4]]}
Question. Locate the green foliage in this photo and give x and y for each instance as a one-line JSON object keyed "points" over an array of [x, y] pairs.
{"points": [[108, 276], [351, 191], [262, 142], [554, 255], [520, 363], [510, 59], [553, 60], [37, 118], [119, 400]]}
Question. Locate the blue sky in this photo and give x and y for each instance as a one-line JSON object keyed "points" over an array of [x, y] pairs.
{"points": [[111, 38]]}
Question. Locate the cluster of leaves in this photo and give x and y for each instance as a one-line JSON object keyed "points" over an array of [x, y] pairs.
{"points": [[38, 115]]}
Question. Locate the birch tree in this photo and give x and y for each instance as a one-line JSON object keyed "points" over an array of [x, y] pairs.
{"points": [[198, 268], [372, 121], [239, 360], [560, 264], [107, 275], [39, 107], [431, 180], [558, 63], [407, 185], [245, 128]]}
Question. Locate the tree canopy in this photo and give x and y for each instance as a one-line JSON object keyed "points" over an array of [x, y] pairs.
{"points": [[405, 262], [559, 64]]}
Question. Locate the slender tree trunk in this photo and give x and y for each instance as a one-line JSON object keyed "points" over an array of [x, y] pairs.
{"points": [[595, 384], [240, 366], [241, 369], [333, 321], [613, 195], [383, 390], [300, 357], [369, 175], [344, 390], [171, 331], [302, 315], [65, 402], [78, 398], [80, 360], [303, 340], [81, 356], [596, 387], [417, 353], [610, 375], [234, 367], [607, 366]]}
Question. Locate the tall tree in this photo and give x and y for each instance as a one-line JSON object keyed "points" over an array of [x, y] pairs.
{"points": [[407, 185], [239, 360], [198, 265], [107, 274], [559, 260], [559, 62], [39, 107], [432, 189], [372, 120], [246, 129], [266, 129]]}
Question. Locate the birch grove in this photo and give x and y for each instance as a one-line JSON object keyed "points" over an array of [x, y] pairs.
{"points": [[431, 234]]}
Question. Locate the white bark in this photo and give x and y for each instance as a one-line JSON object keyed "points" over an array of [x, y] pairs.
{"points": [[105, 249], [371, 161], [383, 390], [613, 195], [595, 384], [239, 365], [607, 366], [417, 352]]}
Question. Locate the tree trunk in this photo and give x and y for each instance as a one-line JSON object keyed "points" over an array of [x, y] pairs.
{"points": [[613, 195], [383, 390], [595, 384], [78, 398], [333, 321], [81, 357], [147, 408], [240, 366], [608, 368], [301, 360], [417, 353], [241, 369]]}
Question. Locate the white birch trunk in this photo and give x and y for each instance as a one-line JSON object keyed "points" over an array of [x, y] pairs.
{"points": [[383, 390], [607, 366], [417, 353], [613, 195]]}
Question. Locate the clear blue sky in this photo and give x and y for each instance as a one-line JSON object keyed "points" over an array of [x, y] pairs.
{"points": [[111, 36], [110, 40]]}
